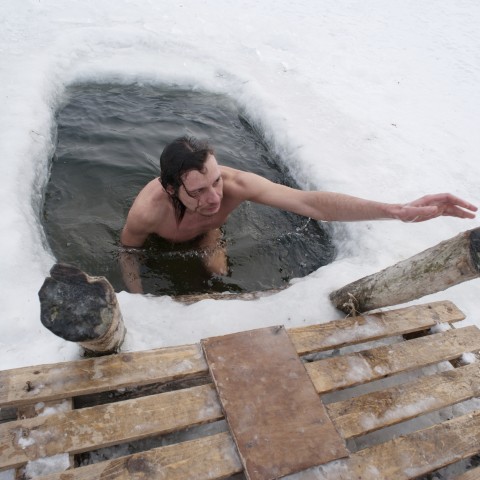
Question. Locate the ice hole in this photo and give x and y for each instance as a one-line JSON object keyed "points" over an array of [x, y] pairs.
{"points": [[109, 141]]}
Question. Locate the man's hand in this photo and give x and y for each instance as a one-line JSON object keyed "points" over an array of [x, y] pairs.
{"points": [[432, 206]]}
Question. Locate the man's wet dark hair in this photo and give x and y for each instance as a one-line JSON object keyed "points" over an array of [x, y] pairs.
{"points": [[179, 157]]}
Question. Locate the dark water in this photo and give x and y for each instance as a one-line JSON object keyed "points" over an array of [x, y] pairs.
{"points": [[109, 141]]}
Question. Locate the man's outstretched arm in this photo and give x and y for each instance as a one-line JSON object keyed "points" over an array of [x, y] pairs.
{"points": [[330, 206]]}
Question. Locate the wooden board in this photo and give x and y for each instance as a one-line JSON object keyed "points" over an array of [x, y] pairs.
{"points": [[354, 330], [51, 382], [215, 457], [407, 456], [278, 422], [43, 408], [209, 458], [104, 425], [366, 413], [352, 417], [473, 474], [42, 383], [348, 370]]}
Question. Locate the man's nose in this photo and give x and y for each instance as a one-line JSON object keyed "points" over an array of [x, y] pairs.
{"points": [[213, 195]]}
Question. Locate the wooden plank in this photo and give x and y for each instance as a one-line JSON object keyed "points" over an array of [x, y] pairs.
{"points": [[43, 408], [105, 425], [82, 377], [366, 413], [209, 458], [407, 456], [335, 373], [270, 404], [68, 379], [354, 330], [473, 474], [376, 410]]}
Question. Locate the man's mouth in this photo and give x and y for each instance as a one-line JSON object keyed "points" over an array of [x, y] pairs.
{"points": [[212, 208]]}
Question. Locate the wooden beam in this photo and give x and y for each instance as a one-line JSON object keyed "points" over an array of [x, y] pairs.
{"points": [[82, 377], [344, 371], [215, 457], [352, 417], [90, 428], [208, 458], [28, 385], [473, 474], [408, 456], [449, 263], [43, 408], [366, 413], [365, 328]]}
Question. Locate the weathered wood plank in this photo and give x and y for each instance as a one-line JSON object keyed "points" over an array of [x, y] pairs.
{"points": [[43, 408], [270, 404], [368, 327], [366, 413], [473, 474], [104, 425], [68, 379], [348, 370], [209, 458], [407, 456]]}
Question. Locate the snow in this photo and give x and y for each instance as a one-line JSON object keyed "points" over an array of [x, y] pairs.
{"points": [[378, 99], [44, 466], [370, 421], [468, 358]]}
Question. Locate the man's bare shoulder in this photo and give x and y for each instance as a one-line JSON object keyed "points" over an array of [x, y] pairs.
{"points": [[150, 205], [242, 185]]}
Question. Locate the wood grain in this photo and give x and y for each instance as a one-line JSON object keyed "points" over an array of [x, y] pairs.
{"points": [[348, 370], [354, 330], [270, 404], [209, 458], [105, 425]]}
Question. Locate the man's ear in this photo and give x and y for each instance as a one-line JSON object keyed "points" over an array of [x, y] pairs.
{"points": [[170, 190]]}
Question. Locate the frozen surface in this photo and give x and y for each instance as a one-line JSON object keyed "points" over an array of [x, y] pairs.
{"points": [[377, 99]]}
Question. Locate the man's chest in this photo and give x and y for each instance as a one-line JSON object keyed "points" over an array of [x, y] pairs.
{"points": [[190, 227]]}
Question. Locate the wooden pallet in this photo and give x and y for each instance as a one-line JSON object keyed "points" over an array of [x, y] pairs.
{"points": [[146, 395]]}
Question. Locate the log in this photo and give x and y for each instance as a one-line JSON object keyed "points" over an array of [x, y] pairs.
{"points": [[83, 309], [449, 263]]}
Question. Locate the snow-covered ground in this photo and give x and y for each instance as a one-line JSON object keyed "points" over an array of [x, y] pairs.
{"points": [[378, 99]]}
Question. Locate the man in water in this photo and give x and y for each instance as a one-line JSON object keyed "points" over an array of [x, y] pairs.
{"points": [[194, 196]]}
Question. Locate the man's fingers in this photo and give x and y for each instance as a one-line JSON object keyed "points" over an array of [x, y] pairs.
{"points": [[444, 203], [456, 211], [456, 201]]}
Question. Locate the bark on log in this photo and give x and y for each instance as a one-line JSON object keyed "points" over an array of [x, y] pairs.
{"points": [[82, 309], [450, 262]]}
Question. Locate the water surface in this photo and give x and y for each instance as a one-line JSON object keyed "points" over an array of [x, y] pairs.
{"points": [[110, 138]]}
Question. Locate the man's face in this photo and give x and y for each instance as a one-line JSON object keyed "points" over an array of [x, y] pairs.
{"points": [[202, 192]]}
